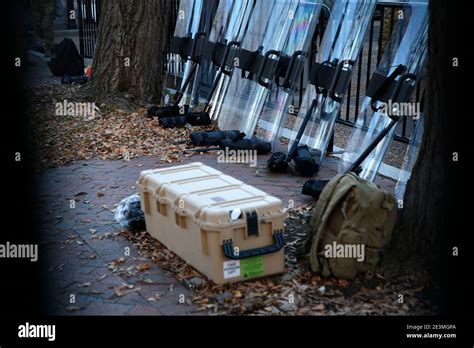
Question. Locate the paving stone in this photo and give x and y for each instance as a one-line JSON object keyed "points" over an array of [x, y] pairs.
{"points": [[104, 308], [143, 310]]}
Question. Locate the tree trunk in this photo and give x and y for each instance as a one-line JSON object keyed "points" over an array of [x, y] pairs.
{"points": [[132, 41], [418, 242]]}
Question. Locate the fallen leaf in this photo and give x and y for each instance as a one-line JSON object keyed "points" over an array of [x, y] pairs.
{"points": [[303, 311], [143, 267], [318, 307], [123, 291]]}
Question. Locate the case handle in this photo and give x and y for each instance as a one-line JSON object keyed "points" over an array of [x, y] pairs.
{"points": [[228, 248]]}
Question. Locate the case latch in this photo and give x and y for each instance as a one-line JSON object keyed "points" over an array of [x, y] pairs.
{"points": [[252, 223]]}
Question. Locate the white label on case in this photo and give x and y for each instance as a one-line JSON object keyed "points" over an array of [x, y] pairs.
{"points": [[231, 269]]}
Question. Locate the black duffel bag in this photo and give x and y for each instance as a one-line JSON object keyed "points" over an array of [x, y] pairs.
{"points": [[66, 59]]}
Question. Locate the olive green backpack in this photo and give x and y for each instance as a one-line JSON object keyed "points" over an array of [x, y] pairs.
{"points": [[353, 217]]}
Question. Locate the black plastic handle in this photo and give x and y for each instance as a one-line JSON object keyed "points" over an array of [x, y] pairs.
{"points": [[266, 57], [385, 86], [197, 36], [228, 248], [287, 82], [398, 87], [224, 67], [247, 67], [335, 87], [315, 77], [396, 91]]}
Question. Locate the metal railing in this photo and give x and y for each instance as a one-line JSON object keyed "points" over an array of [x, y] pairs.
{"points": [[381, 28], [88, 20]]}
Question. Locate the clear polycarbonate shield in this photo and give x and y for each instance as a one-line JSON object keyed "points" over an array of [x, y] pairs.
{"points": [[342, 41], [187, 25], [298, 43], [230, 23], [191, 67], [408, 47], [182, 29], [409, 160], [222, 80], [245, 97]]}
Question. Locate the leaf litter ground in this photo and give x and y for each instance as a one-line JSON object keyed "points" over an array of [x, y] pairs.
{"points": [[112, 134], [123, 133], [296, 292]]}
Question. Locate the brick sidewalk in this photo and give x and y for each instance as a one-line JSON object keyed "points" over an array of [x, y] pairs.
{"points": [[84, 257]]}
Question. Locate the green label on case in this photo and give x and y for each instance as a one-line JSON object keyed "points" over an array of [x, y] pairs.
{"points": [[252, 267]]}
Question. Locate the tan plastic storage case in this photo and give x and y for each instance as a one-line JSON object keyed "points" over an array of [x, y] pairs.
{"points": [[194, 211]]}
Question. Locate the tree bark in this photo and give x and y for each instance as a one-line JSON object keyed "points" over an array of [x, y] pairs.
{"points": [[417, 243], [134, 32]]}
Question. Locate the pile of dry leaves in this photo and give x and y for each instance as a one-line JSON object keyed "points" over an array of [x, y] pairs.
{"points": [[111, 133], [297, 292]]}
